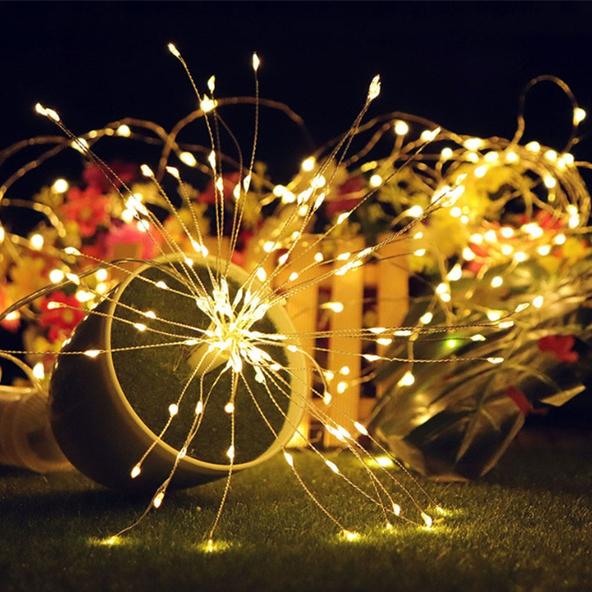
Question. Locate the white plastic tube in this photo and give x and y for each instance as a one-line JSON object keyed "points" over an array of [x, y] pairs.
{"points": [[26, 438]]}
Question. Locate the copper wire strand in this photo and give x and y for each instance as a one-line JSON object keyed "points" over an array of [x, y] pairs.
{"points": [[412, 155]]}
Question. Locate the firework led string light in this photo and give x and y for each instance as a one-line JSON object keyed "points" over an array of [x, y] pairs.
{"points": [[227, 333], [239, 357]]}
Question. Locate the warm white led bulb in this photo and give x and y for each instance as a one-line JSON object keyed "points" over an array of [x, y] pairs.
{"points": [[157, 500], [60, 186], [123, 131], [308, 164], [172, 48], [375, 181], [579, 115], [36, 241], [426, 318], [407, 379], [56, 276], [188, 159], [39, 371], [332, 466], [374, 89], [415, 211], [427, 520], [401, 127]]}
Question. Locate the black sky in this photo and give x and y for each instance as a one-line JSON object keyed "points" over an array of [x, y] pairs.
{"points": [[460, 64]]}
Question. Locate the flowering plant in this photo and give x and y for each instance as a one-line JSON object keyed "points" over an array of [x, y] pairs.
{"points": [[455, 421], [92, 223]]}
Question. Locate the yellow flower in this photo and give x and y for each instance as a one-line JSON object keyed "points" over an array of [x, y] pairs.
{"points": [[150, 195], [551, 263], [49, 197], [483, 181], [42, 344], [574, 249], [251, 210], [72, 238], [33, 340], [27, 276], [447, 233], [175, 231]]}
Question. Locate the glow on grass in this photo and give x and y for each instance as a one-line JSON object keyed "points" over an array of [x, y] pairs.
{"points": [[350, 536], [380, 461], [110, 541], [212, 546]]}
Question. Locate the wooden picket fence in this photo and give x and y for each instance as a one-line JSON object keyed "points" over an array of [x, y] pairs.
{"points": [[376, 290]]}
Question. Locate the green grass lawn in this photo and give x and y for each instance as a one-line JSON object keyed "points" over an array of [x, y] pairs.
{"points": [[527, 526]]}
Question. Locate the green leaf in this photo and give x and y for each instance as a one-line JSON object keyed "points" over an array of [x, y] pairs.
{"points": [[503, 445], [562, 397]]}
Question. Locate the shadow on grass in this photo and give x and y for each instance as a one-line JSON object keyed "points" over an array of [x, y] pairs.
{"points": [[559, 472], [73, 494]]}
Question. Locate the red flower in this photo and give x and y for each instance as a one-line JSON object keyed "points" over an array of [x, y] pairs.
{"points": [[60, 313], [88, 208], [96, 179], [348, 195], [559, 346], [482, 254], [519, 399], [522, 402], [479, 250], [208, 195], [547, 221], [474, 267]]}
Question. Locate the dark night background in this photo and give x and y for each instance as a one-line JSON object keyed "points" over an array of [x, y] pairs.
{"points": [[460, 64]]}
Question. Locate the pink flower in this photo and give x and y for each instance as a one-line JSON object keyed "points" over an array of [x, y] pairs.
{"points": [[96, 179], [88, 208], [97, 249], [127, 240], [560, 346]]}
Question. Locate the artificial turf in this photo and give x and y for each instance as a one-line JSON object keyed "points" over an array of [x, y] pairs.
{"points": [[526, 526]]}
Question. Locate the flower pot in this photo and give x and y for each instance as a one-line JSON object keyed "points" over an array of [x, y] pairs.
{"points": [[108, 409]]}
